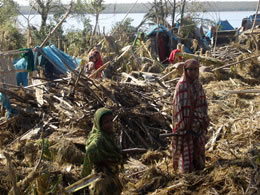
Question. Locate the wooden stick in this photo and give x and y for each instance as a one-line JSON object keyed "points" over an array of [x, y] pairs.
{"points": [[141, 139], [106, 64], [235, 63], [35, 85], [160, 83], [12, 94], [243, 91], [84, 182], [62, 101], [253, 26], [203, 59], [42, 150], [9, 71], [210, 145], [12, 174], [166, 75], [76, 83], [129, 137], [253, 33], [11, 52], [168, 135], [23, 184], [86, 85], [134, 150]]}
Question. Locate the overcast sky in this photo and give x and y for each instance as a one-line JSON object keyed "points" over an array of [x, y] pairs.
{"points": [[25, 2]]}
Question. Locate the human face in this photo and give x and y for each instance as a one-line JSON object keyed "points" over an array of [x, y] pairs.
{"points": [[107, 123], [192, 72], [92, 59]]}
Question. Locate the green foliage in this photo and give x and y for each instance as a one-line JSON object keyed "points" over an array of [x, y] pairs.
{"points": [[187, 28], [8, 11], [124, 30], [38, 36], [94, 6], [44, 8], [74, 42], [46, 183], [46, 151], [158, 13], [79, 7], [11, 38], [79, 40]]}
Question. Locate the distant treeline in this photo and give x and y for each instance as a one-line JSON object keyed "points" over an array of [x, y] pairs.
{"points": [[212, 6]]}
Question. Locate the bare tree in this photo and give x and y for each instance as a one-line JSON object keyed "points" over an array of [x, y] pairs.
{"points": [[95, 7], [44, 7], [183, 3]]}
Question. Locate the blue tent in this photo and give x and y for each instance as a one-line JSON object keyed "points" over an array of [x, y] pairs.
{"points": [[53, 61], [252, 17], [154, 29], [225, 25]]}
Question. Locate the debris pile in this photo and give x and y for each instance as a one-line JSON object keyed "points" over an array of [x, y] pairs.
{"points": [[43, 145]]}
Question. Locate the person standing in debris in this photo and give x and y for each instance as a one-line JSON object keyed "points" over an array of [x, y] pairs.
{"points": [[95, 62], [190, 120], [103, 155], [172, 57]]}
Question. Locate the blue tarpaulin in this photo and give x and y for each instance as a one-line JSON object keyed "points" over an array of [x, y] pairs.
{"points": [[154, 29], [252, 17], [21, 77], [4, 100], [225, 25], [53, 59]]}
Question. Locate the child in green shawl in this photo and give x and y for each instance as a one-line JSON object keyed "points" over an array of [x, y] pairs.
{"points": [[103, 155]]}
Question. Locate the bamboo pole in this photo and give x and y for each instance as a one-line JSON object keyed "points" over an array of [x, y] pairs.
{"points": [[56, 27], [106, 64], [203, 59], [243, 91], [228, 65], [253, 26]]}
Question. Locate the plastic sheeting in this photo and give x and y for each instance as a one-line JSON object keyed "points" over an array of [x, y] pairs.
{"points": [[53, 61], [154, 29], [225, 25], [252, 17], [4, 100], [21, 77]]}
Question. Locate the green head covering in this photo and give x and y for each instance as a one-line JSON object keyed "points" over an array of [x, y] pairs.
{"points": [[100, 146], [98, 116]]}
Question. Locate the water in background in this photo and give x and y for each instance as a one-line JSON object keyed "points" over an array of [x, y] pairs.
{"points": [[107, 21]]}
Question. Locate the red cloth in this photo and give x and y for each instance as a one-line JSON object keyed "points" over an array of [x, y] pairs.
{"points": [[98, 62], [173, 54], [190, 116]]}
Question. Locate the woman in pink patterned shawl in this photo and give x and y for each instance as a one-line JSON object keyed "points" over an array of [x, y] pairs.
{"points": [[190, 121]]}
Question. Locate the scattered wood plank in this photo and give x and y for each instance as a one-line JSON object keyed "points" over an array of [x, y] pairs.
{"points": [[242, 91], [84, 182], [228, 65], [211, 143], [203, 59]]}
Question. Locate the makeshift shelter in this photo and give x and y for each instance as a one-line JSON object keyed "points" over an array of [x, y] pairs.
{"points": [[8, 74], [165, 43], [223, 32], [247, 22], [56, 62], [225, 25], [15, 72]]}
